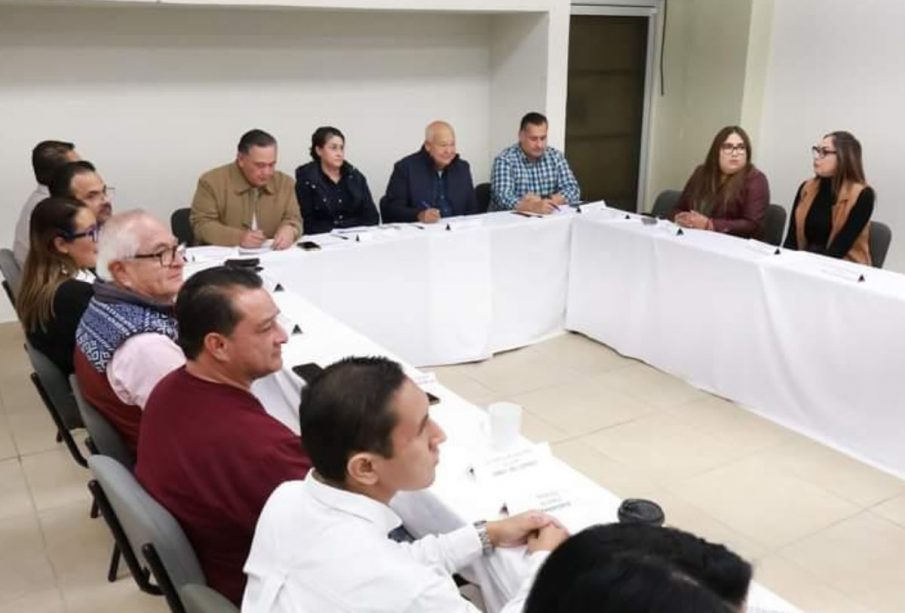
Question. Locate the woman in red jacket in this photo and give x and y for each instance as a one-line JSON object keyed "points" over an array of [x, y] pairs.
{"points": [[726, 193]]}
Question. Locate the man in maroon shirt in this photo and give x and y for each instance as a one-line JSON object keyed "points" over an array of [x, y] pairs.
{"points": [[207, 450]]}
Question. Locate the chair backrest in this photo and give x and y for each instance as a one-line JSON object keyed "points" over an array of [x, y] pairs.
{"points": [[181, 226], [106, 439], [146, 523], [482, 192], [56, 387], [665, 203], [11, 273], [202, 599], [880, 237], [774, 224]]}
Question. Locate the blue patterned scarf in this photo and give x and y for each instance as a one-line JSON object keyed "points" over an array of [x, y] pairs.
{"points": [[113, 316]]}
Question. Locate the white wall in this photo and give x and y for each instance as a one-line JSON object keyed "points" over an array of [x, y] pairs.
{"points": [[705, 56], [837, 65]]}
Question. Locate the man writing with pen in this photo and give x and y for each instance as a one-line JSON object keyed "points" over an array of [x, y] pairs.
{"points": [[530, 176], [247, 201], [431, 183]]}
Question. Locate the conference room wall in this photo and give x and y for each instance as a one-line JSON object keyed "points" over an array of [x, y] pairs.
{"points": [[837, 65], [154, 96], [705, 54]]}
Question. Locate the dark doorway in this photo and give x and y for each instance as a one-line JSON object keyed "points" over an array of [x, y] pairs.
{"points": [[605, 106]]}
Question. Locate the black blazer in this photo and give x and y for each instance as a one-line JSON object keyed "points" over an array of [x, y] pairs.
{"points": [[412, 183], [318, 213]]}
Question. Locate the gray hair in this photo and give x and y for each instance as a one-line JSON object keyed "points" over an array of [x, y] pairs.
{"points": [[119, 239], [433, 127]]}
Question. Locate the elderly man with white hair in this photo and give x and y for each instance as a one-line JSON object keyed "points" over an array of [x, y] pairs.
{"points": [[126, 339], [431, 183]]}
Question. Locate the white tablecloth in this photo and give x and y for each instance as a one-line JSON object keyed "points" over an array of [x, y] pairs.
{"points": [[794, 337], [492, 282], [457, 496]]}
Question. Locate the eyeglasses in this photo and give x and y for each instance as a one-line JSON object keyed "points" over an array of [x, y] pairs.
{"points": [[821, 152], [730, 148], [91, 233], [167, 256]]}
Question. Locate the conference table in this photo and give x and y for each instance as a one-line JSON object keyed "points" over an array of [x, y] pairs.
{"points": [[447, 293], [806, 341], [467, 488]]}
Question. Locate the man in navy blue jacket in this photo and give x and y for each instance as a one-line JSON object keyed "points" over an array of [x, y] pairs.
{"points": [[431, 183]]}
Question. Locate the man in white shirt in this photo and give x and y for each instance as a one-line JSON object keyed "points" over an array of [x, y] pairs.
{"points": [[323, 544], [46, 158]]}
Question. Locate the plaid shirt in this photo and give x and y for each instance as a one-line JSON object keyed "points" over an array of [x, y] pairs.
{"points": [[514, 175]]}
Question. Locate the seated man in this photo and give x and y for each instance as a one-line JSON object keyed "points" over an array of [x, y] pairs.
{"points": [[209, 452], [247, 201], [126, 339], [46, 157], [80, 180], [529, 176], [324, 544], [431, 183]]}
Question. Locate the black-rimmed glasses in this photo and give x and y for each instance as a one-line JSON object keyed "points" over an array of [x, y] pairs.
{"points": [[166, 257], [821, 152], [90, 232]]}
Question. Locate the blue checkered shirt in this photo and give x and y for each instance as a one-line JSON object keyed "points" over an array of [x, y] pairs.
{"points": [[514, 175]]}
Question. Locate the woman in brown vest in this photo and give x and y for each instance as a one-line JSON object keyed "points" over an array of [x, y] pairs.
{"points": [[726, 193], [831, 215]]}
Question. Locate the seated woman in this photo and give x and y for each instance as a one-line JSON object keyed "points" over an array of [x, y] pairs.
{"points": [[56, 279], [726, 193], [831, 214], [331, 192]]}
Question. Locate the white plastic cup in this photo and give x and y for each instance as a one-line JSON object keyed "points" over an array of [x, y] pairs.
{"points": [[505, 424]]}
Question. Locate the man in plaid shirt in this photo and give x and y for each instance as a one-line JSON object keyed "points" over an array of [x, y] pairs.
{"points": [[529, 176]]}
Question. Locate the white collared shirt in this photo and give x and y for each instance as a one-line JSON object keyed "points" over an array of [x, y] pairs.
{"points": [[20, 241], [318, 548]]}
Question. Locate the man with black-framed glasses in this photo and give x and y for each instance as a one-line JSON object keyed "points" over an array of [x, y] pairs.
{"points": [[125, 341]]}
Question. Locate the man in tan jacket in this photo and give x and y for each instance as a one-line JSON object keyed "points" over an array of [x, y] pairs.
{"points": [[247, 201]]}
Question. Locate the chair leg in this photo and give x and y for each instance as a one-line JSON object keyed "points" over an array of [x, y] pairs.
{"points": [[94, 510], [59, 437], [114, 564]]}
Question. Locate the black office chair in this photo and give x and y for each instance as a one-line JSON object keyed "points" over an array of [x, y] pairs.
{"points": [[54, 390], [774, 224], [181, 226], [482, 191], [879, 238], [140, 523], [665, 203], [11, 273]]}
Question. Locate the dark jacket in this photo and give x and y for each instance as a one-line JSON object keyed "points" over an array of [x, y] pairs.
{"points": [[744, 216], [411, 188], [319, 213]]}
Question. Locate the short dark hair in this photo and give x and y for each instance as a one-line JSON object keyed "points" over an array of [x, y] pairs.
{"points": [[61, 183], [719, 569], [534, 118], [255, 138], [47, 156], [346, 409], [631, 582], [204, 305], [320, 138]]}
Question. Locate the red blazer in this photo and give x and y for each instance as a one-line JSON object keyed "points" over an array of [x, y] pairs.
{"points": [[742, 216]]}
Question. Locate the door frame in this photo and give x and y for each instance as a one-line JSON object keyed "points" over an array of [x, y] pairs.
{"points": [[653, 10]]}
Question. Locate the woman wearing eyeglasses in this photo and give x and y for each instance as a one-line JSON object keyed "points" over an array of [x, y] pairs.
{"points": [[726, 193], [831, 214], [56, 280]]}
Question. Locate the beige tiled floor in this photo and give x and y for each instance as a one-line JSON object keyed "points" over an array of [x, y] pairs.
{"points": [[825, 531]]}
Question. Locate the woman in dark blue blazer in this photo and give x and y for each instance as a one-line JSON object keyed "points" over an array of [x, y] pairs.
{"points": [[331, 192]]}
